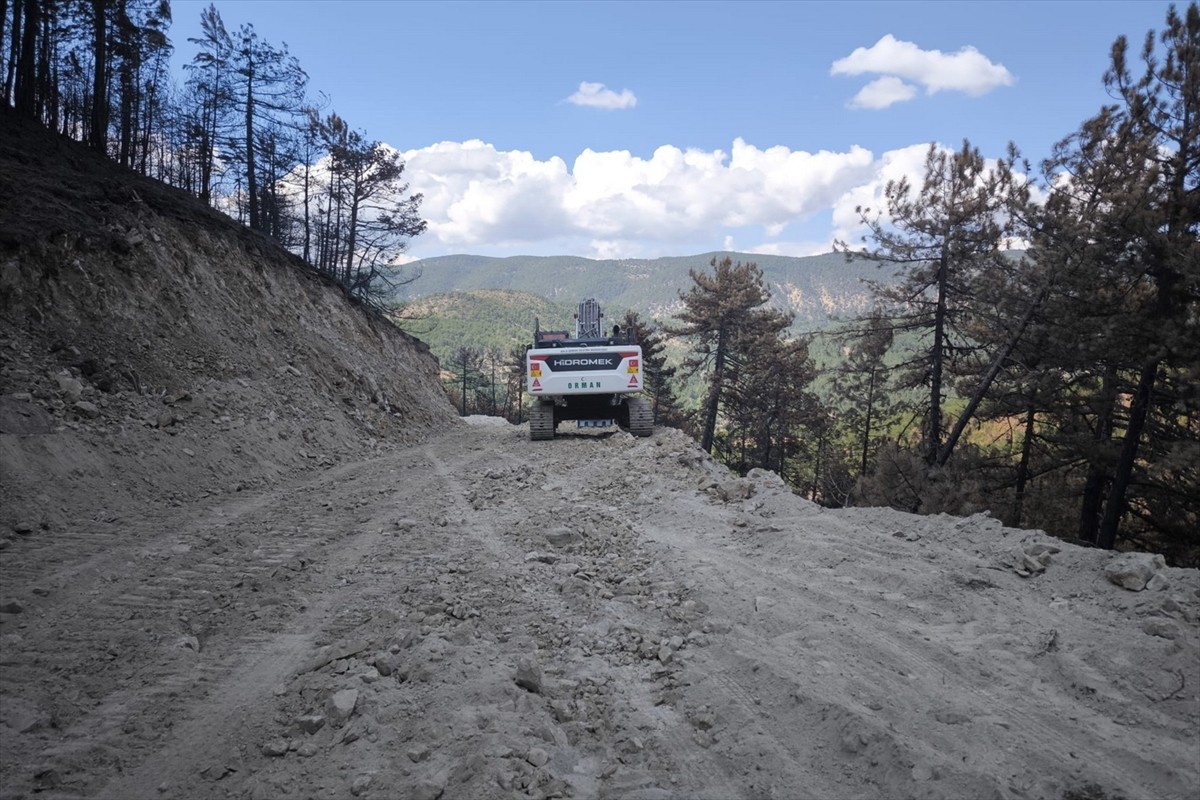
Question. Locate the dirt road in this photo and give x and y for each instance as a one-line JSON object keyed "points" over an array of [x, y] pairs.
{"points": [[599, 616]]}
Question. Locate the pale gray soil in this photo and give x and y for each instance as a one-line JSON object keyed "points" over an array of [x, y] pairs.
{"points": [[598, 616]]}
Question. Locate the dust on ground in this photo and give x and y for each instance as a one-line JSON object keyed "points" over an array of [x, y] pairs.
{"points": [[598, 616]]}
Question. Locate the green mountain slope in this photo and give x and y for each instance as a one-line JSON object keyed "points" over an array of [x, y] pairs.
{"points": [[814, 288], [481, 319]]}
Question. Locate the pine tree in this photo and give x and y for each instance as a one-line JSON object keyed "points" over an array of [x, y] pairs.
{"points": [[268, 89], [211, 79], [514, 378], [1162, 109], [1128, 196], [139, 44], [465, 371], [943, 237], [659, 382], [12, 36], [100, 109], [769, 399], [723, 311], [861, 387], [368, 220]]}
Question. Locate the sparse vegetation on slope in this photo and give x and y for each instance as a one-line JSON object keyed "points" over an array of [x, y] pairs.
{"points": [[487, 319]]}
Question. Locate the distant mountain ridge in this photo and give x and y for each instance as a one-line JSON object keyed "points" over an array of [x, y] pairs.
{"points": [[813, 288]]}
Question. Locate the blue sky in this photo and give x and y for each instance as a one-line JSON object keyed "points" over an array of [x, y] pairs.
{"points": [[643, 129]]}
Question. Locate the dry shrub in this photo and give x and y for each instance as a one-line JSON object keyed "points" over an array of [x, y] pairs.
{"points": [[903, 480]]}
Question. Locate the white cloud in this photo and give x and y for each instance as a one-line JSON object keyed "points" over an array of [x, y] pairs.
{"points": [[596, 95], [904, 63], [605, 249], [475, 194], [883, 92], [907, 162], [615, 204]]}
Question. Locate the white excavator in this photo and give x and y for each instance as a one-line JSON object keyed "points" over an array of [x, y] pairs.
{"points": [[593, 378]]}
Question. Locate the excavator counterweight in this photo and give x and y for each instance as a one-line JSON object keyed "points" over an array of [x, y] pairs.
{"points": [[589, 377]]}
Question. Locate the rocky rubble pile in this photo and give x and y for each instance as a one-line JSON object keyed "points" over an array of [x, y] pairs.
{"points": [[588, 612]]}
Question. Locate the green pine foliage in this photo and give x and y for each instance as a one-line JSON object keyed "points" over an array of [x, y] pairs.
{"points": [[755, 376], [944, 238], [861, 389], [659, 383], [1128, 215], [1060, 386]]}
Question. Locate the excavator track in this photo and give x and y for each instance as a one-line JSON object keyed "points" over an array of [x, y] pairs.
{"points": [[541, 421], [641, 416]]}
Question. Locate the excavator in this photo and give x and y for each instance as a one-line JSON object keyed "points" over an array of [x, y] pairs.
{"points": [[592, 378]]}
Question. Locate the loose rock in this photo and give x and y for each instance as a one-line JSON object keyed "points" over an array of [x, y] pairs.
{"points": [[428, 790], [11, 606], [529, 675], [563, 537], [340, 707], [360, 784], [1134, 570], [275, 748], [310, 723], [87, 409]]}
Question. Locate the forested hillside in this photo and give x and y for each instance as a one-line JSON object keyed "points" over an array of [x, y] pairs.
{"points": [[814, 289], [484, 320], [1055, 386]]}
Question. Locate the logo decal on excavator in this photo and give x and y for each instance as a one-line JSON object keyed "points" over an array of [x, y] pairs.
{"points": [[581, 363]]}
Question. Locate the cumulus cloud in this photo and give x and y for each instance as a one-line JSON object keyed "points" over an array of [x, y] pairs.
{"points": [[883, 92], [475, 194], [619, 205], [615, 204], [903, 64], [597, 95], [907, 162]]}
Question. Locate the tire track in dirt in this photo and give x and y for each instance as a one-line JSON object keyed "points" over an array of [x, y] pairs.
{"points": [[644, 737], [829, 612], [176, 587]]}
